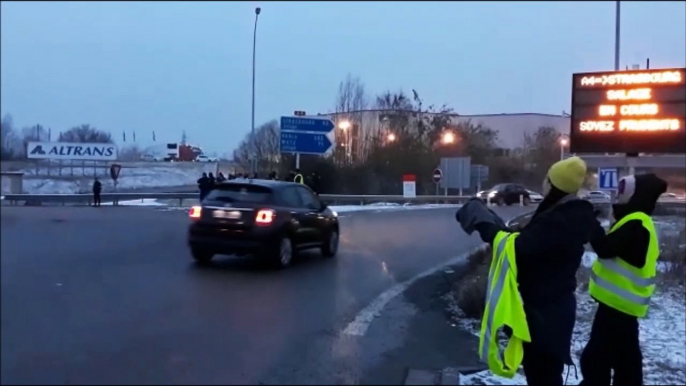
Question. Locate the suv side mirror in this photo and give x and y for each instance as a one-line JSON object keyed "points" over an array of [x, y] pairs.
{"points": [[322, 206]]}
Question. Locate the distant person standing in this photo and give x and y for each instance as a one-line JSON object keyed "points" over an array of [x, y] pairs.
{"points": [[97, 189], [315, 182], [211, 182], [220, 177], [273, 175], [203, 186], [298, 179]]}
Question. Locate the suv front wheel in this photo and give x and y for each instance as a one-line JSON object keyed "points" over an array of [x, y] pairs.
{"points": [[330, 246]]}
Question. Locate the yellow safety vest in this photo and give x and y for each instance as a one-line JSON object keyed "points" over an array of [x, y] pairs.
{"points": [[298, 178], [622, 286], [504, 306]]}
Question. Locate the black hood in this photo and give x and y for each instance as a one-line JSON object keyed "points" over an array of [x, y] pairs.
{"points": [[638, 193]]}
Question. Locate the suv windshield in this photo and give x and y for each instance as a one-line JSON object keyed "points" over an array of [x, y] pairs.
{"points": [[499, 187], [241, 193]]}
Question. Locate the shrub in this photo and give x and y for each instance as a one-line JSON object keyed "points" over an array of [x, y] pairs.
{"points": [[470, 290]]}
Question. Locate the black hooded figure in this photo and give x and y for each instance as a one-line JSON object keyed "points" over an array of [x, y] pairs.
{"points": [[613, 352], [97, 190], [203, 186]]}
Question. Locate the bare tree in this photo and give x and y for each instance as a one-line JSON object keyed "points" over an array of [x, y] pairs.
{"points": [[8, 138], [351, 100], [86, 133], [267, 143], [542, 149]]}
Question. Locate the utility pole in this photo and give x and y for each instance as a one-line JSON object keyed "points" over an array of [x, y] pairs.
{"points": [[253, 161]]}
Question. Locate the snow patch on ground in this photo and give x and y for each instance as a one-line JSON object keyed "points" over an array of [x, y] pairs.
{"points": [[129, 178], [337, 208], [662, 335], [141, 202], [387, 206]]}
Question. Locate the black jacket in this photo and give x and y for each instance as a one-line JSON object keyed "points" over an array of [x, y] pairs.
{"points": [[548, 253], [97, 187], [203, 184]]}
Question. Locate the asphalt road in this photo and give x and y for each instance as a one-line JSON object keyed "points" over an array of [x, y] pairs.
{"points": [[110, 296]]}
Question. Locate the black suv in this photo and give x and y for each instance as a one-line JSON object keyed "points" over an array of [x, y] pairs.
{"points": [[506, 194], [272, 219]]}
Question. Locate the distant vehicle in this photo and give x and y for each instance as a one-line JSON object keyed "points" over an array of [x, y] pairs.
{"points": [[172, 152], [671, 196], [506, 194], [204, 158], [264, 218], [181, 152], [151, 158], [535, 197], [596, 195]]}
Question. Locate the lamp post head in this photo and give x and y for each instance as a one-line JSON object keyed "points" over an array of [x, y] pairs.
{"points": [[258, 10], [448, 138], [563, 141], [344, 125]]}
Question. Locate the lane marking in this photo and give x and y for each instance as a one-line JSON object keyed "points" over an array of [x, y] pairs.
{"points": [[359, 326]]}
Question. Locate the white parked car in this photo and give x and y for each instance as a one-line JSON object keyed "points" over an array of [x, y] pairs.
{"points": [[204, 158], [597, 195], [534, 197], [151, 158]]}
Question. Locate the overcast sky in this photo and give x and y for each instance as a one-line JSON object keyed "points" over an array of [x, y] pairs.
{"points": [[170, 66]]}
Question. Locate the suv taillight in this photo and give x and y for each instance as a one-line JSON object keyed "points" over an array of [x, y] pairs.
{"points": [[195, 212], [264, 217]]}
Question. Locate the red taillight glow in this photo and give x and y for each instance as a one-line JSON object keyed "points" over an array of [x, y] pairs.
{"points": [[264, 217], [195, 212]]}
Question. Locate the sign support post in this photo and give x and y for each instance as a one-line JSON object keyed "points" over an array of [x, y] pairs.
{"points": [[437, 177]]}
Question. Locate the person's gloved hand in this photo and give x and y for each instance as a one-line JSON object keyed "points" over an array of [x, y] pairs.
{"points": [[474, 212]]}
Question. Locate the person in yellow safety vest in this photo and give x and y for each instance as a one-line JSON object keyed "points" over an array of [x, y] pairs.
{"points": [[298, 177], [622, 281], [504, 307], [543, 259]]}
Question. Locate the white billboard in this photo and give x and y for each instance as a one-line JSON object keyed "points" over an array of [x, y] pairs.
{"points": [[72, 151]]}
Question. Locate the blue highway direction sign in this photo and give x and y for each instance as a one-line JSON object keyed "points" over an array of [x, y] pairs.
{"points": [[608, 178], [304, 143], [306, 124]]}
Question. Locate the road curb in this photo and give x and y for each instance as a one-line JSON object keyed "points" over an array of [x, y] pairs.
{"points": [[447, 376]]}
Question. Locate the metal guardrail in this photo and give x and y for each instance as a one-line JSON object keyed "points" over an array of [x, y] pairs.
{"points": [[115, 198]]}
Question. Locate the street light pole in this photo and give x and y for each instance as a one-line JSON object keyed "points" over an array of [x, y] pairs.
{"points": [[253, 160], [617, 18]]}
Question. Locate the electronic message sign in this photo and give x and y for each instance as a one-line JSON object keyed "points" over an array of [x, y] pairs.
{"points": [[629, 112]]}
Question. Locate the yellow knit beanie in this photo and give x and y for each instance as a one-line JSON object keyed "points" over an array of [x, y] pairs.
{"points": [[568, 175]]}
